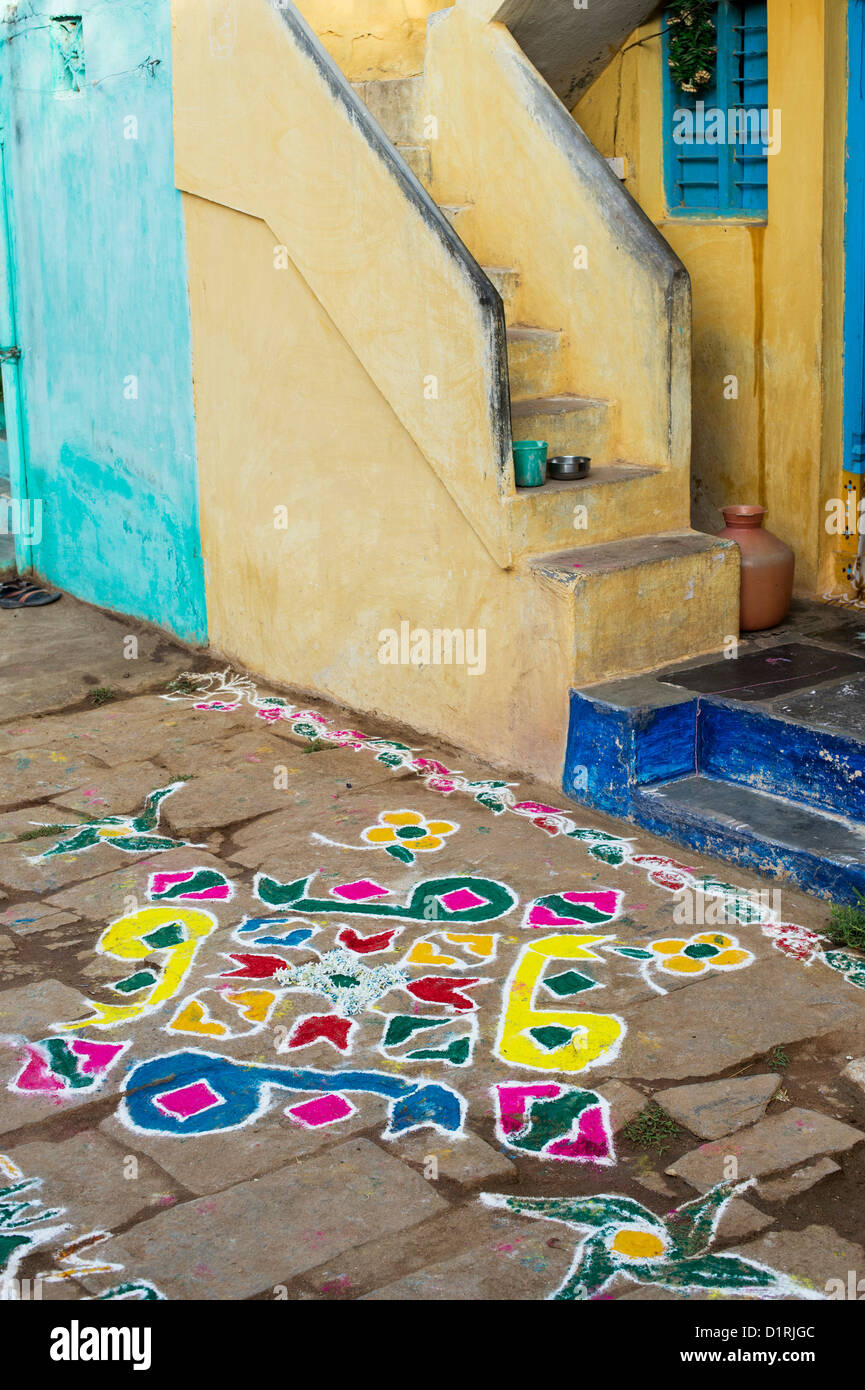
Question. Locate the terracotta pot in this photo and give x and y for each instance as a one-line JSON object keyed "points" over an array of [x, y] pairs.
{"points": [[767, 569]]}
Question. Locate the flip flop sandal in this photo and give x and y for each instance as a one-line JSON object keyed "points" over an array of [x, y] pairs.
{"points": [[26, 595]]}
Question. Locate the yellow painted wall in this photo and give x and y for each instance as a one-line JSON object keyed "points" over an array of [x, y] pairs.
{"points": [[287, 417], [372, 39], [255, 131], [336, 501], [758, 289]]}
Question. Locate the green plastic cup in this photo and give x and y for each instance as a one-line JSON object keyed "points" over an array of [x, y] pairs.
{"points": [[530, 462]]}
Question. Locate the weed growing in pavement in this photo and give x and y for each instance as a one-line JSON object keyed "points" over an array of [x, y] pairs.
{"points": [[847, 925], [101, 694], [651, 1129], [182, 685], [778, 1059]]}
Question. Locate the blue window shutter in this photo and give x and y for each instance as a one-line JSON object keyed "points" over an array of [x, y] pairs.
{"points": [[750, 93], [728, 178]]}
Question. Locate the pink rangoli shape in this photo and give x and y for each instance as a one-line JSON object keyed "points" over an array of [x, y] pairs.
{"points": [[360, 890], [324, 1110], [189, 1100]]}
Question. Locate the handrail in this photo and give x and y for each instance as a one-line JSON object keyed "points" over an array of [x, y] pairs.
{"points": [[266, 123]]}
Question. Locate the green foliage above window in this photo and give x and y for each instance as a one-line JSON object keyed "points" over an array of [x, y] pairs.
{"points": [[692, 43]]}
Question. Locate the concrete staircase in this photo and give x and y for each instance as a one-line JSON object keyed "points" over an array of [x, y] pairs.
{"points": [[638, 555], [543, 404]]}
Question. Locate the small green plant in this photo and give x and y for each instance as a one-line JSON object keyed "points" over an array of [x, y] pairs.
{"points": [[778, 1059], [39, 831], [847, 924], [101, 694], [651, 1129], [317, 745], [182, 685]]}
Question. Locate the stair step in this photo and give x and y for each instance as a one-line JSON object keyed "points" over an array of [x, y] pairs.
{"points": [[614, 500], [419, 160], [507, 282], [397, 105], [781, 756], [824, 853], [637, 604], [570, 424], [459, 216], [534, 361]]}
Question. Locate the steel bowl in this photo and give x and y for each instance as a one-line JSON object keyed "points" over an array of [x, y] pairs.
{"points": [[564, 467]]}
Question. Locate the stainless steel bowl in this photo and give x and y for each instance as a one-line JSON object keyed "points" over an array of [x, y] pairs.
{"points": [[563, 467]]}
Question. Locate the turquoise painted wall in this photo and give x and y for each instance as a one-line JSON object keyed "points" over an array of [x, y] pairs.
{"points": [[103, 315]]}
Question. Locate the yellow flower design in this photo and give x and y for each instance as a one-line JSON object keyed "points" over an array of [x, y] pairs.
{"points": [[638, 1245], [403, 833], [706, 951]]}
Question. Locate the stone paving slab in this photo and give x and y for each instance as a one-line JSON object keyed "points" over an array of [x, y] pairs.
{"points": [[523, 1272], [212, 1162], [296, 1217], [100, 1181], [719, 1107], [804, 1004], [29, 776], [388, 1219], [14, 824], [147, 727], [22, 870], [774, 1144], [112, 792], [782, 1189], [33, 1011], [221, 798], [813, 1255], [82, 648]]}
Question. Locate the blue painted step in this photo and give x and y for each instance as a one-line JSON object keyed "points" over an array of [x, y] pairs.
{"points": [[739, 782], [824, 854], [822, 769]]}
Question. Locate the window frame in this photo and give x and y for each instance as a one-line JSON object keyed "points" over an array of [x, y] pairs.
{"points": [[725, 84]]}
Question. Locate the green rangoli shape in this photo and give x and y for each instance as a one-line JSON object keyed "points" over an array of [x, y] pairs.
{"points": [[624, 1238], [551, 1035], [133, 983], [569, 982], [401, 1027], [457, 1052], [424, 903]]}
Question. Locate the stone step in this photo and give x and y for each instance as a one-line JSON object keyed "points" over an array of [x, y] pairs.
{"points": [[632, 605], [820, 852], [570, 424], [397, 105], [815, 766], [459, 215], [534, 361], [507, 281], [613, 502], [419, 160]]}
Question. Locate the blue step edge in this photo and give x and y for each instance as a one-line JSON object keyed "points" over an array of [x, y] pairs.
{"points": [[784, 799]]}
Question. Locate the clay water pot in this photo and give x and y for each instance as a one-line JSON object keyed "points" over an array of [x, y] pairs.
{"points": [[767, 569]]}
